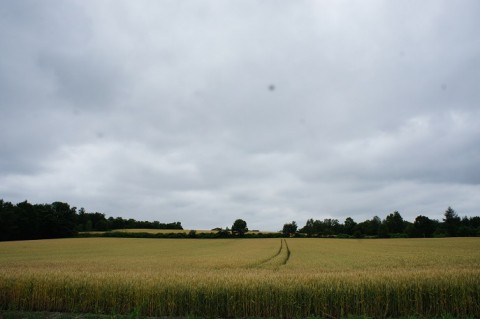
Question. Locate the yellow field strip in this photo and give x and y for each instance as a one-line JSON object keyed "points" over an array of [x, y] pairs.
{"points": [[243, 278]]}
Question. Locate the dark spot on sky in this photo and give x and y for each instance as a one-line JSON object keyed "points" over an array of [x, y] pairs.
{"points": [[271, 87], [443, 87]]}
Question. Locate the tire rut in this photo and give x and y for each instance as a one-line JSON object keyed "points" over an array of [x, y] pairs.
{"points": [[285, 261], [280, 258]]}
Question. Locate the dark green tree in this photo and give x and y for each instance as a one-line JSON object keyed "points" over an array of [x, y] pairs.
{"points": [[394, 223], [290, 229], [239, 227], [308, 228], [383, 231], [349, 226], [451, 222], [27, 220], [65, 218], [331, 226], [423, 227], [370, 227], [375, 224]]}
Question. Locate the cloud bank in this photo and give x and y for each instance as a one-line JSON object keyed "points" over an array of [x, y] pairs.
{"points": [[207, 111]]}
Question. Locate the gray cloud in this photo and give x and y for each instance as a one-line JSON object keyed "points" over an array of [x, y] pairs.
{"points": [[204, 112]]}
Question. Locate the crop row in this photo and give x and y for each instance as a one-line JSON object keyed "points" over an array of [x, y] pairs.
{"points": [[243, 296]]}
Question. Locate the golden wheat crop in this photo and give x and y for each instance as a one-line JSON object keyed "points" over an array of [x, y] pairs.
{"points": [[243, 277], [152, 231]]}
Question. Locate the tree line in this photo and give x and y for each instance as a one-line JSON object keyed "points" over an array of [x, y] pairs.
{"points": [[393, 226], [56, 220]]}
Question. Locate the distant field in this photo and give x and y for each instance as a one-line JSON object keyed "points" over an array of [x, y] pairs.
{"points": [[161, 231], [150, 231], [165, 231], [240, 278]]}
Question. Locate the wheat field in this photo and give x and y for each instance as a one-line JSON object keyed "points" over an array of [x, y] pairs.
{"points": [[237, 278], [150, 231]]}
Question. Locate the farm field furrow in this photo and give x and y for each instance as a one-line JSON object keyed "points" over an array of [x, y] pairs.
{"points": [[243, 277]]}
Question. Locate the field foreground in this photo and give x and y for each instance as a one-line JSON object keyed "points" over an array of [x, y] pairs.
{"points": [[240, 278]]}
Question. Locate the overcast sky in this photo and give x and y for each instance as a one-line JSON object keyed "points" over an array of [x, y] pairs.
{"points": [[271, 111]]}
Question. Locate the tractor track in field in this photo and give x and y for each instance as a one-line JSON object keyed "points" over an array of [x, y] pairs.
{"points": [[285, 261], [274, 256], [280, 258]]}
